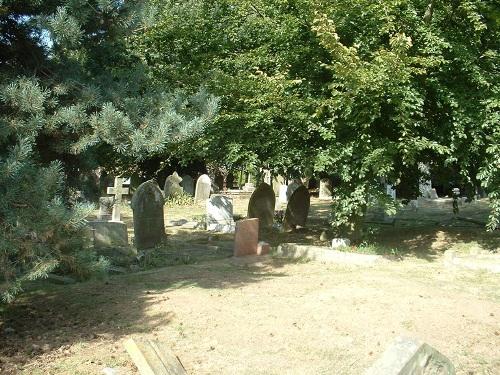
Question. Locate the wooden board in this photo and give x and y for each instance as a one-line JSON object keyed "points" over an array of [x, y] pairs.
{"points": [[153, 357]]}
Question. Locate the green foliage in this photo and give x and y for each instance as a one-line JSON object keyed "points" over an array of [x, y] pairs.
{"points": [[73, 97], [181, 199]]}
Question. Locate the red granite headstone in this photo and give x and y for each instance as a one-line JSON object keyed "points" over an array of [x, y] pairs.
{"points": [[246, 237]]}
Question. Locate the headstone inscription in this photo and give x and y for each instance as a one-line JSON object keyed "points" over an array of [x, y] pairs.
{"points": [[149, 224]]}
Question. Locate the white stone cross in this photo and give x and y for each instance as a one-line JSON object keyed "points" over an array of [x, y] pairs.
{"points": [[118, 190]]}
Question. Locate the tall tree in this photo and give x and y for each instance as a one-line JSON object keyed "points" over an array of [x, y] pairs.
{"points": [[72, 93]]}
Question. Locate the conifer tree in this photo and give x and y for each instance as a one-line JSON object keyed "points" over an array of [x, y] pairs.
{"points": [[72, 90]]}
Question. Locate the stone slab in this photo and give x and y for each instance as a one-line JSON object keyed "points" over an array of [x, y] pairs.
{"points": [[109, 233], [263, 248], [411, 357], [246, 238], [327, 255], [153, 357]]}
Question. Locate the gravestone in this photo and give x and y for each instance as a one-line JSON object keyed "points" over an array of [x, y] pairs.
{"points": [[187, 184], [297, 209], [220, 214], [292, 186], [282, 196], [246, 237], [261, 205], [390, 191], [105, 208], [407, 357], [118, 190], [109, 233], [325, 189], [149, 225], [203, 185], [433, 194], [277, 182], [172, 186]]}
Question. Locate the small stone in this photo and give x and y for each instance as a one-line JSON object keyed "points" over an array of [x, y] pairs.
{"points": [[340, 242], [323, 236], [109, 371]]}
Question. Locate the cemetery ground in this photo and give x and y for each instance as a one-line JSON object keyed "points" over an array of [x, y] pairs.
{"points": [[270, 315]]}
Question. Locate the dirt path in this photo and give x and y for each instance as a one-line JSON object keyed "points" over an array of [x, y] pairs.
{"points": [[273, 317]]}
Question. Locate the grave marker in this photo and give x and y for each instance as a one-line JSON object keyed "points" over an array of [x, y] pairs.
{"points": [[297, 209], [261, 205], [325, 189], [187, 184], [172, 186], [220, 214], [203, 186], [149, 225], [117, 190], [246, 237]]}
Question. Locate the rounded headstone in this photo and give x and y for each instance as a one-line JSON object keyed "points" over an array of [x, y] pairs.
{"points": [[187, 184], [172, 186], [261, 205], [149, 225], [203, 186], [292, 186], [297, 209]]}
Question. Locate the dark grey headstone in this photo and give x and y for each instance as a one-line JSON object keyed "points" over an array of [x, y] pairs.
{"points": [[292, 186], [187, 184], [149, 225], [297, 209], [261, 205], [172, 186]]}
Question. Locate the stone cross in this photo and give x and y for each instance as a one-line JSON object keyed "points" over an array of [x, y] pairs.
{"points": [[118, 190]]}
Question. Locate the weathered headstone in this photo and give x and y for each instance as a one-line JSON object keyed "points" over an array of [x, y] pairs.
{"points": [[325, 189], [425, 184], [297, 209], [282, 196], [220, 214], [149, 225], [391, 191], [261, 205], [109, 233], [118, 190], [187, 184], [203, 185], [106, 208], [277, 182], [433, 194], [246, 237], [172, 186], [292, 186], [407, 357]]}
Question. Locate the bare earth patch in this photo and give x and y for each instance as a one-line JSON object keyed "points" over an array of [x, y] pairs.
{"points": [[268, 315]]}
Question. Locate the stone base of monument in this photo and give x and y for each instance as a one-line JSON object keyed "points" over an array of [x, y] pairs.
{"points": [[327, 255], [481, 261], [406, 357], [221, 227], [109, 233]]}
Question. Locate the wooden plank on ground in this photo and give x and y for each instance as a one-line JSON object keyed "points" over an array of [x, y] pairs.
{"points": [[153, 357]]}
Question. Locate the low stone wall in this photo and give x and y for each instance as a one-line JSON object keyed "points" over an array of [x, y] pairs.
{"points": [[327, 255]]}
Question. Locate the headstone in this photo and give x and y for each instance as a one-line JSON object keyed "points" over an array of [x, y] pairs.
{"points": [[220, 214], [246, 237], [297, 209], [267, 176], [261, 205], [406, 357], [433, 194], [118, 190], [292, 186], [325, 189], [203, 185], [149, 225], [109, 233], [105, 208], [391, 191], [277, 182], [425, 184], [340, 242], [172, 186], [187, 184], [282, 194]]}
